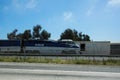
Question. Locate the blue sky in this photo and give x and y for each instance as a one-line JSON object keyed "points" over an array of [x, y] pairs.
{"points": [[98, 18]]}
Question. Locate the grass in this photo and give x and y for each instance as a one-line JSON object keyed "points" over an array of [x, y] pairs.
{"points": [[59, 61]]}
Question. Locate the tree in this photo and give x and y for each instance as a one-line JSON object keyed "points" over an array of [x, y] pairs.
{"points": [[45, 35], [36, 31], [12, 35], [27, 35], [86, 38], [19, 36], [74, 35], [67, 34], [80, 36]]}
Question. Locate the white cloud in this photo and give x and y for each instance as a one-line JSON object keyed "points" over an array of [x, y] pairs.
{"points": [[90, 11], [24, 4], [31, 4], [67, 16], [114, 3], [16, 4]]}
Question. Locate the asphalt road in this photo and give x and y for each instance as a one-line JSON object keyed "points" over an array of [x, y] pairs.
{"points": [[32, 71]]}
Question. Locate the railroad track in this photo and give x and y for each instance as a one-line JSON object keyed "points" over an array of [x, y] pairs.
{"points": [[59, 55]]}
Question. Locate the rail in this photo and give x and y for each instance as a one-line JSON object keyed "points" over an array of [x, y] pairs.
{"points": [[57, 55]]}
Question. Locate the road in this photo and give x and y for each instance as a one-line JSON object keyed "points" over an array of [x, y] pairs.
{"points": [[35, 71]]}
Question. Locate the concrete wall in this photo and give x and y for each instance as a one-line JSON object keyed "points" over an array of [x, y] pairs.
{"points": [[95, 47]]}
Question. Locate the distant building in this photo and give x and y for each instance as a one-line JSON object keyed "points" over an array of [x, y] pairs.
{"points": [[94, 47]]}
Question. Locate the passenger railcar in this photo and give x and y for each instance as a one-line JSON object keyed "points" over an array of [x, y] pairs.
{"points": [[50, 47], [41, 47], [10, 46]]}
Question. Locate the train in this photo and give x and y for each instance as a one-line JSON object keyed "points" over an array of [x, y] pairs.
{"points": [[39, 46]]}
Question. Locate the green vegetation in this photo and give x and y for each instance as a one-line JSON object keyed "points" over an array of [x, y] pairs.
{"points": [[38, 33], [59, 60], [74, 35]]}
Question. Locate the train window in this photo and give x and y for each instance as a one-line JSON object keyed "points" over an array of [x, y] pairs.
{"points": [[82, 47]]}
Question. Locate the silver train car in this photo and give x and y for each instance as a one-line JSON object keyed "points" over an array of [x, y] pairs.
{"points": [[38, 46], [10, 46]]}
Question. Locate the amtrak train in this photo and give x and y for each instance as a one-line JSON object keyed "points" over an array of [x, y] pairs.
{"points": [[38, 46]]}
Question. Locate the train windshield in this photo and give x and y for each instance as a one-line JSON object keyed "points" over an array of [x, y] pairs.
{"points": [[71, 43]]}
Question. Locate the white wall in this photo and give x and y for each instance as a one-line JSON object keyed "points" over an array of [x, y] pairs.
{"points": [[96, 47]]}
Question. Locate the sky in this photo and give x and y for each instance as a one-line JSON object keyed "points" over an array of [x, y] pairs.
{"points": [[100, 19]]}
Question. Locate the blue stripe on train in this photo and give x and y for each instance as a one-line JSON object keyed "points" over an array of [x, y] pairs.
{"points": [[47, 44], [34, 43]]}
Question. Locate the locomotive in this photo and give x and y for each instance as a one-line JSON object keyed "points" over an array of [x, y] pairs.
{"points": [[39, 46]]}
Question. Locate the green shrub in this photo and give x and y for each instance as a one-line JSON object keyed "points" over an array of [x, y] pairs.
{"points": [[59, 60]]}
